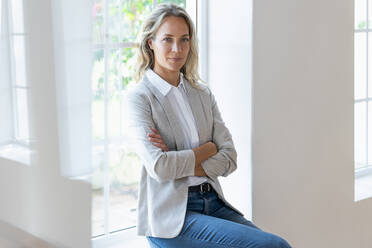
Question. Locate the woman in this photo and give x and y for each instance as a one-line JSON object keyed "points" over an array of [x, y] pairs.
{"points": [[184, 145]]}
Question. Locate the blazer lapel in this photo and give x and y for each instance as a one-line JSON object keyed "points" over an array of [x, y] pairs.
{"points": [[197, 110], [172, 118]]}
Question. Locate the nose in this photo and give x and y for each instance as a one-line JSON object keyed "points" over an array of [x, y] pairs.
{"points": [[176, 46]]}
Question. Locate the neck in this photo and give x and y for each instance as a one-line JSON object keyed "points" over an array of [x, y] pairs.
{"points": [[171, 77]]}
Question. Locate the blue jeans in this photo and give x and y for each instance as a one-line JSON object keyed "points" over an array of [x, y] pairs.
{"points": [[210, 223]]}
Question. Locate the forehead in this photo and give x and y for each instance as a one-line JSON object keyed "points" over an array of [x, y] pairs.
{"points": [[173, 25]]}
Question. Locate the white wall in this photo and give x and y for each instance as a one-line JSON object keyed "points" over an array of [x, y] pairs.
{"points": [[230, 76], [35, 198], [302, 117]]}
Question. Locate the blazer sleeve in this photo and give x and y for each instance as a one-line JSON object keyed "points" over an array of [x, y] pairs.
{"points": [[162, 166], [223, 163]]}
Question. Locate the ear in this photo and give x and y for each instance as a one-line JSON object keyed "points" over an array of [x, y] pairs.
{"points": [[149, 42]]}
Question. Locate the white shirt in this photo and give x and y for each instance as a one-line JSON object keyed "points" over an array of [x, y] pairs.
{"points": [[180, 104]]}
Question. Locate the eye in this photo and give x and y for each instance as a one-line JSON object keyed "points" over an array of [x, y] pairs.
{"points": [[167, 39], [185, 39]]}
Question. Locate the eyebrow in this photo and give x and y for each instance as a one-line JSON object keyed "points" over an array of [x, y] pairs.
{"points": [[173, 35]]}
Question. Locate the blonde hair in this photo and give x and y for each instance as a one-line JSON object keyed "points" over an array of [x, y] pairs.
{"points": [[145, 56]]}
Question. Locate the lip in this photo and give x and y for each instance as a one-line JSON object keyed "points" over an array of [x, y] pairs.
{"points": [[175, 59]]}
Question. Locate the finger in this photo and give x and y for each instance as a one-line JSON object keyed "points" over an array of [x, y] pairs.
{"points": [[156, 140], [155, 135], [156, 144], [162, 146], [154, 130]]}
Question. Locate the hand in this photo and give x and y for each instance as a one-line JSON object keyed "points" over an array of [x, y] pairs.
{"points": [[199, 171], [157, 140], [202, 153], [212, 148]]}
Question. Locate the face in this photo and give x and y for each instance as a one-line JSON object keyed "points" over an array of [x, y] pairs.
{"points": [[171, 44]]}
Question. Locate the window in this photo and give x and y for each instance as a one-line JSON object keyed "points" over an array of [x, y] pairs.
{"points": [[362, 88], [14, 86], [116, 24]]}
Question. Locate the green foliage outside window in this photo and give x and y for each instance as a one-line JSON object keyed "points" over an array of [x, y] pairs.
{"points": [[124, 22]]}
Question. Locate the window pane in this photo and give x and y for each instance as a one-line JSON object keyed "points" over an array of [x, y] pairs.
{"points": [[369, 65], [114, 92], [114, 118], [114, 20], [98, 24], [360, 14], [124, 163], [127, 67], [1, 18], [369, 133], [121, 66], [360, 65], [17, 16], [98, 125], [98, 210], [6, 124], [19, 58], [114, 76], [125, 19], [181, 3], [22, 114], [124, 175], [369, 14], [98, 121], [360, 134]]}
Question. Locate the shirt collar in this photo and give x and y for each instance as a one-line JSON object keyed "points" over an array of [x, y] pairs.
{"points": [[163, 86]]}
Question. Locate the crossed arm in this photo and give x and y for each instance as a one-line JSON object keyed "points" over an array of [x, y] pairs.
{"points": [[162, 165], [201, 153], [212, 159]]}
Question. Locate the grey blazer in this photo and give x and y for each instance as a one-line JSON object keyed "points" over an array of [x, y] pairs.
{"points": [[163, 191]]}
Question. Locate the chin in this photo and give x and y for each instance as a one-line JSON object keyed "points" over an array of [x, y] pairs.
{"points": [[174, 68]]}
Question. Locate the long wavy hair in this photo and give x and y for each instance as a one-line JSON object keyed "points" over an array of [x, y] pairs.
{"points": [[145, 56]]}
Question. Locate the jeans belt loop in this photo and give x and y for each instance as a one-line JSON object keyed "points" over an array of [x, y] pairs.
{"points": [[201, 187]]}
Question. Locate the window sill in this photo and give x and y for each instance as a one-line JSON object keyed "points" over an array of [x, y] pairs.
{"points": [[363, 185], [17, 153], [12, 236], [128, 237]]}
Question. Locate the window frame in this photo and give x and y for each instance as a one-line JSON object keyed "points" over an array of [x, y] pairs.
{"points": [[15, 148], [366, 168]]}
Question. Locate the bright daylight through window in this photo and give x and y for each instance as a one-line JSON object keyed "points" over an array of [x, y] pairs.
{"points": [[362, 86], [116, 24]]}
